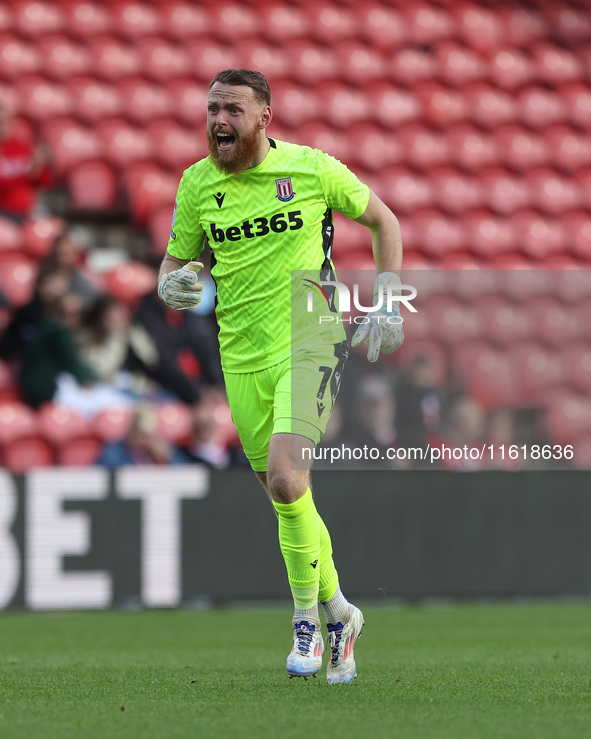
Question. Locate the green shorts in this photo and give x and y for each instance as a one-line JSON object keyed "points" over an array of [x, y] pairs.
{"points": [[295, 396]]}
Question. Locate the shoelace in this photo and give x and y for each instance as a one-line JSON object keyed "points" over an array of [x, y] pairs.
{"points": [[304, 637], [334, 638]]}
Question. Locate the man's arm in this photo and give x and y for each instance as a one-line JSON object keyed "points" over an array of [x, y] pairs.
{"points": [[385, 234], [169, 264]]}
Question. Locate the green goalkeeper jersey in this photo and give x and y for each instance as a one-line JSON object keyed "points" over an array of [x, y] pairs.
{"points": [[261, 225]]}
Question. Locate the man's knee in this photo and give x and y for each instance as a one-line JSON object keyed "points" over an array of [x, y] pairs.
{"points": [[285, 485]]}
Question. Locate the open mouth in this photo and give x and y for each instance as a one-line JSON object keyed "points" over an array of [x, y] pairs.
{"points": [[225, 141]]}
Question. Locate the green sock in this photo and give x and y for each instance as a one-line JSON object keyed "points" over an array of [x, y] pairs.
{"points": [[329, 579], [299, 539]]}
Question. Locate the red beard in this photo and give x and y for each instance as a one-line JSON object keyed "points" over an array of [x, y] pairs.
{"points": [[243, 152]]}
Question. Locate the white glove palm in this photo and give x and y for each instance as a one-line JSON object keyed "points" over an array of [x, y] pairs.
{"points": [[181, 289], [382, 329]]}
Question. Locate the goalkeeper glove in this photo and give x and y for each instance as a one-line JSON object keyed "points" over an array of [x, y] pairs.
{"points": [[180, 289], [382, 329]]}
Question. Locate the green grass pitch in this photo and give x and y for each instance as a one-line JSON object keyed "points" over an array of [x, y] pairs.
{"points": [[461, 672]]}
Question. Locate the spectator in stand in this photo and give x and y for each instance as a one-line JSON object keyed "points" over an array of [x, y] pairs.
{"points": [[52, 352], [464, 429], [207, 445], [419, 404], [66, 254], [23, 168], [174, 332], [51, 282], [142, 445]]}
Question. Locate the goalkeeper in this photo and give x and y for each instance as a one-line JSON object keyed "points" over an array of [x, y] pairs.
{"points": [[265, 207]]}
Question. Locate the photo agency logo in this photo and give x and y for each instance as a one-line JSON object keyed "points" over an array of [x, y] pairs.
{"points": [[386, 302]]}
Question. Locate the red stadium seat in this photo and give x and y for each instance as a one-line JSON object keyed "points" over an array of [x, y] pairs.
{"points": [[556, 66], [232, 22], [535, 235], [571, 25], [582, 452], [112, 424], [421, 147], [552, 193], [124, 144], [539, 107], [487, 235], [487, 374], [390, 106], [175, 147], [521, 283], [17, 278], [63, 58], [278, 23], [577, 360], [71, 143], [435, 234], [441, 106], [567, 149], [79, 451], [341, 105], [17, 58], [504, 192], [574, 287], [472, 285], [182, 21], [144, 101], [41, 100], [175, 422], [569, 418], [308, 63], [58, 424], [188, 102], [272, 61], [293, 105], [554, 323], [149, 188], [112, 59], [488, 106], [329, 24], [479, 27], [350, 236], [511, 68], [456, 65], [5, 19], [404, 191], [159, 227], [206, 58], [95, 100], [9, 389], [92, 186], [503, 322], [26, 453], [522, 25], [367, 147], [16, 420], [520, 149], [577, 100], [380, 26], [578, 232], [11, 236], [538, 370], [453, 191], [85, 20], [432, 350], [356, 146], [470, 149], [130, 281], [452, 322], [40, 233], [359, 64], [161, 60], [426, 24], [37, 19], [409, 66], [582, 186], [133, 19]]}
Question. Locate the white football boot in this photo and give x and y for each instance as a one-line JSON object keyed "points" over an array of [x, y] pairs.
{"points": [[305, 658], [341, 640]]}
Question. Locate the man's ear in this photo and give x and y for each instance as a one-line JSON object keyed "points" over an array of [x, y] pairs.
{"points": [[266, 117]]}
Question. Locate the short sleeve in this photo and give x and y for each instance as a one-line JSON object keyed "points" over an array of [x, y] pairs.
{"points": [[343, 190], [186, 235]]}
